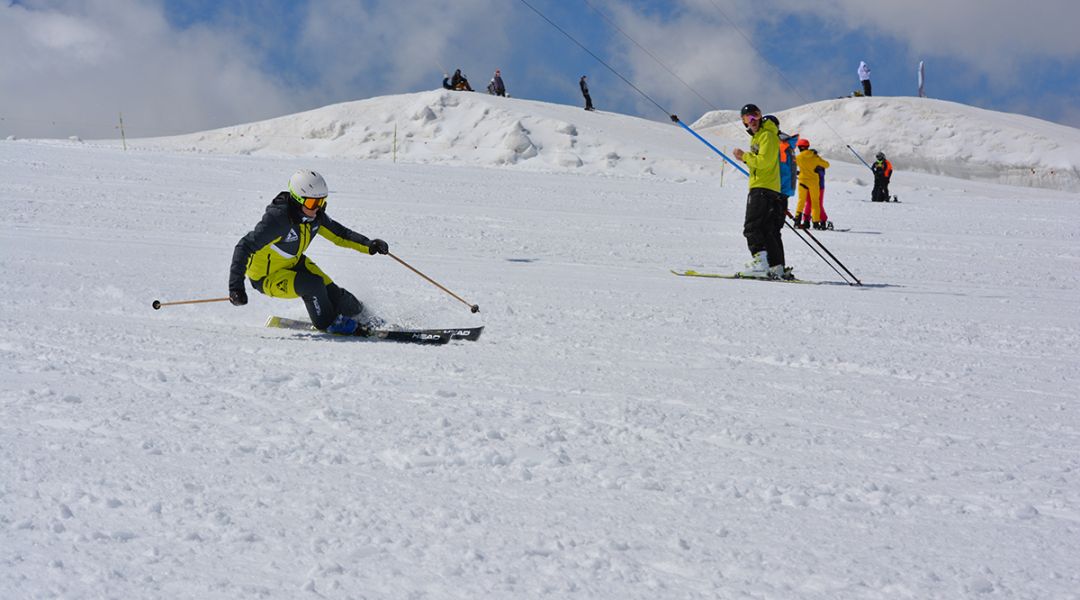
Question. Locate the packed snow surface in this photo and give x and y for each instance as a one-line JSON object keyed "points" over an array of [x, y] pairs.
{"points": [[618, 432]]}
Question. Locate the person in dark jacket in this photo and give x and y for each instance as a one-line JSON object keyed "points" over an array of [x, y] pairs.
{"points": [[585, 92], [271, 256], [497, 84], [882, 174]]}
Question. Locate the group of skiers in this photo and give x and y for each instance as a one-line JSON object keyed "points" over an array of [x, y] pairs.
{"points": [[496, 87], [776, 173], [460, 82], [271, 256]]}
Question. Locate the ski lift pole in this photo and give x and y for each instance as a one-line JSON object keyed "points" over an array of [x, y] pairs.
{"points": [[859, 157], [676, 120]]}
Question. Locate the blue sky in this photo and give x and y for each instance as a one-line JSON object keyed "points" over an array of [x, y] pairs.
{"points": [[71, 66]]}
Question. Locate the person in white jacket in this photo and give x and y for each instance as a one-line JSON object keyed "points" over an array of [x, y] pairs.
{"points": [[864, 77]]}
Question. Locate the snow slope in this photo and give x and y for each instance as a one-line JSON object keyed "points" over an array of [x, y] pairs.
{"points": [[461, 128], [618, 432], [932, 136], [457, 128]]}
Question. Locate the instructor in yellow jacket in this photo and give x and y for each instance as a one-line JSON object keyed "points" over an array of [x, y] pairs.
{"points": [[765, 205], [808, 162]]}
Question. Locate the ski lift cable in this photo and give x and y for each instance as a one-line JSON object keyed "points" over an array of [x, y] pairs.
{"points": [[674, 118], [598, 59], [651, 55], [783, 77]]}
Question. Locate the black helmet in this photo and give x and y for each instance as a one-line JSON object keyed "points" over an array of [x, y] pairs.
{"points": [[749, 109], [773, 119], [880, 156]]}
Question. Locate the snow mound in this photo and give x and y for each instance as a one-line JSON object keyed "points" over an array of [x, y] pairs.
{"points": [[463, 128], [932, 136]]}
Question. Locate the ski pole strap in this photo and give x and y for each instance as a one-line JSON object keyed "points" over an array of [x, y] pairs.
{"points": [[711, 147]]}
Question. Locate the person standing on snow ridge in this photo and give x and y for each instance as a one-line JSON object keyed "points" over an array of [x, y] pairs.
{"points": [[882, 174], [585, 92], [765, 205], [272, 257], [864, 77], [498, 87], [809, 186]]}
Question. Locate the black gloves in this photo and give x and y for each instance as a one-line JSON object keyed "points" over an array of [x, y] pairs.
{"points": [[238, 297], [378, 247]]}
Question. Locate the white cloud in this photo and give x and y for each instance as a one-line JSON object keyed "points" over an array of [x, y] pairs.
{"points": [[993, 37], [69, 68], [710, 56], [387, 46]]}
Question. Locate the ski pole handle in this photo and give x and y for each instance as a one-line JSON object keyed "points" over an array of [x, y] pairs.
{"points": [[158, 303], [472, 307]]}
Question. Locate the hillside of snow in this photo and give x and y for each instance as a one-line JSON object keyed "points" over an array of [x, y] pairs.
{"points": [[617, 433], [462, 128], [931, 136]]}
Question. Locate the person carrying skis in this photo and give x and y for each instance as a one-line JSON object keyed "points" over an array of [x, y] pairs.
{"points": [[272, 258], [882, 174], [809, 186], [585, 92], [864, 77], [765, 205]]}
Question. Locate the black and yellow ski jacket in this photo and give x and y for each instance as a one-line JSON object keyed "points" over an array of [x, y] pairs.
{"points": [[279, 240]]}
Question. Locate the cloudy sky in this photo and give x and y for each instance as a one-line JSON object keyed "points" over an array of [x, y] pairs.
{"points": [[71, 67]]}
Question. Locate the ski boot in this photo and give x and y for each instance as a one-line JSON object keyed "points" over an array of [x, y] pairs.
{"points": [[343, 325], [758, 267]]}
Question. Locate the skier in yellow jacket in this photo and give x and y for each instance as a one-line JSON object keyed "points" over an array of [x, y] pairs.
{"points": [[765, 205], [808, 162], [272, 258]]}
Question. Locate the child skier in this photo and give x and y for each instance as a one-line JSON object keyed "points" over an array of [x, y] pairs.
{"points": [[271, 256]]}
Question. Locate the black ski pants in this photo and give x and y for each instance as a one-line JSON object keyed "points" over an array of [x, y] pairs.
{"points": [[765, 212], [881, 190], [324, 299]]}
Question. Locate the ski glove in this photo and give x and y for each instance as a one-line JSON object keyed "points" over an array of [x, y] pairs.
{"points": [[378, 247], [238, 297]]}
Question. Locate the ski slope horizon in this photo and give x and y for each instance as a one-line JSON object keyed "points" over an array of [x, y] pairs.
{"points": [[618, 432], [468, 128]]}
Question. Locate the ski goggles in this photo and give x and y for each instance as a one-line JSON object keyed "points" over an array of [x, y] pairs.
{"points": [[748, 119], [312, 203]]}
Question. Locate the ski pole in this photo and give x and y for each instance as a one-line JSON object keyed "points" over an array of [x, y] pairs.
{"points": [[818, 242], [472, 307], [809, 245], [158, 303]]}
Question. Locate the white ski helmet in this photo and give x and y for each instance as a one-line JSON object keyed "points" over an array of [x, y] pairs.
{"points": [[307, 184]]}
